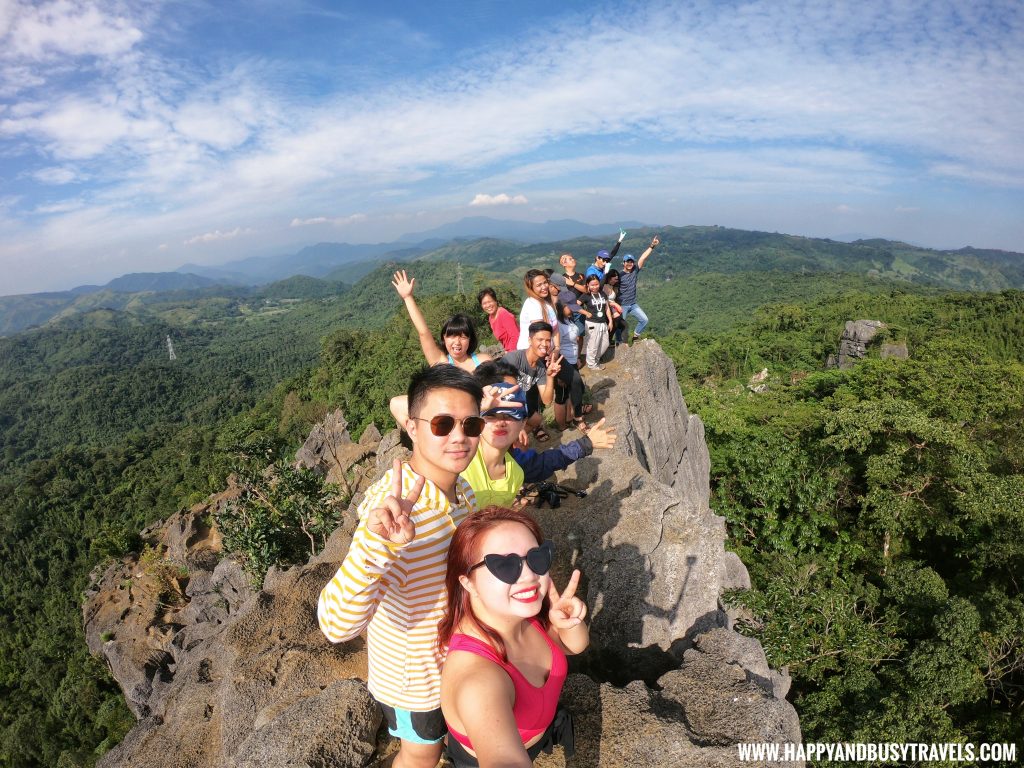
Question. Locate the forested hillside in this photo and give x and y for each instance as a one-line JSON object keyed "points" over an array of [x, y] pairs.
{"points": [[879, 509]]}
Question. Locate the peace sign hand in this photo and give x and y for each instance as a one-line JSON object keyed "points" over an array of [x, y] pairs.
{"points": [[567, 610], [554, 364], [493, 398], [392, 520]]}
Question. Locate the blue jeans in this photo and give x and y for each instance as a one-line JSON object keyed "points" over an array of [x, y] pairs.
{"points": [[634, 309]]}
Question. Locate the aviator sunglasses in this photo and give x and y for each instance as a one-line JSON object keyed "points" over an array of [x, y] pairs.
{"points": [[443, 424], [507, 568]]}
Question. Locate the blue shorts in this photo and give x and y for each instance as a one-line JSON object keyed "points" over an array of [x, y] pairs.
{"points": [[417, 727]]}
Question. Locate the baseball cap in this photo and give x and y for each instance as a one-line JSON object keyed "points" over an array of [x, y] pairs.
{"points": [[557, 280], [516, 408], [628, 257], [603, 254]]}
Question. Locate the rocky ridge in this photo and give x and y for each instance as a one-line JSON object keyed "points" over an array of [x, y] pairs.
{"points": [[220, 674]]}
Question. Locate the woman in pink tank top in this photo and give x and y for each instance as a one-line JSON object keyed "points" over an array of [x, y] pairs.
{"points": [[508, 629]]}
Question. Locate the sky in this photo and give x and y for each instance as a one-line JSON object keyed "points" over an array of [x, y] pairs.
{"points": [[143, 136]]}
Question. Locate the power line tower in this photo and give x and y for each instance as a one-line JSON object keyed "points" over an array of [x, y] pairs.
{"points": [[170, 348], [458, 279]]}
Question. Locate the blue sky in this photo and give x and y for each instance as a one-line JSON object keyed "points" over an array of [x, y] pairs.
{"points": [[141, 136]]}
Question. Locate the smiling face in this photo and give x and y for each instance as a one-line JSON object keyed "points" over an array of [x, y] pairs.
{"points": [[628, 265], [540, 344], [539, 285], [489, 305], [594, 285], [493, 597], [441, 457], [457, 345]]}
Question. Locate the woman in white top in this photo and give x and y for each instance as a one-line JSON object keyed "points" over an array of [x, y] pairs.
{"points": [[536, 307]]}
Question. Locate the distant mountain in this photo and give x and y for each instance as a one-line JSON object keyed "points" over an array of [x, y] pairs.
{"points": [[473, 227], [685, 251], [313, 261], [158, 281]]}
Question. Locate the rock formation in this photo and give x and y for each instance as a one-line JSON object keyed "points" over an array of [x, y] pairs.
{"points": [[854, 342], [222, 675]]}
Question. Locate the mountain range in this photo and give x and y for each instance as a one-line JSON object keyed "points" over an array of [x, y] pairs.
{"points": [[504, 246]]}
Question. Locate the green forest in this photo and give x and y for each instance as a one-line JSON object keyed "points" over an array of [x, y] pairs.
{"points": [[880, 509]]}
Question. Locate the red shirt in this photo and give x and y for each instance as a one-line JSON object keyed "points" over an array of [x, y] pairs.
{"points": [[505, 328]]}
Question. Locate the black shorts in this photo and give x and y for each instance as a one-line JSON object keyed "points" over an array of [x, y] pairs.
{"points": [[563, 382], [417, 727]]}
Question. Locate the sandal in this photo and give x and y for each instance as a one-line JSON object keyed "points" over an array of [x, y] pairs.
{"points": [[586, 408], [581, 425], [541, 435]]}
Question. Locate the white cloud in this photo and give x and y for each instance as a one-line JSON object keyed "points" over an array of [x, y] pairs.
{"points": [[501, 199], [37, 31], [55, 175], [763, 98], [216, 235], [337, 221]]}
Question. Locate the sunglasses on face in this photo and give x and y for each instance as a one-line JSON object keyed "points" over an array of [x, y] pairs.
{"points": [[443, 424], [507, 568]]}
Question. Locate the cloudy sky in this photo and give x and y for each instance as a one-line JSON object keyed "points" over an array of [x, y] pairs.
{"points": [[141, 136]]}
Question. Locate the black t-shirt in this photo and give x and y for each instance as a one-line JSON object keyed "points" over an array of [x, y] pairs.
{"points": [[576, 278], [597, 306]]}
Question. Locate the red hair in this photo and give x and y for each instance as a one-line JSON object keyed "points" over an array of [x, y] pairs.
{"points": [[463, 554]]}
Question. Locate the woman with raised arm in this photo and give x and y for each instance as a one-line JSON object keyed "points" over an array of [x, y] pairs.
{"points": [[537, 306], [455, 346], [508, 629], [457, 343]]}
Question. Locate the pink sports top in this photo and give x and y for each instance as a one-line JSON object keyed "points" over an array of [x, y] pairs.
{"points": [[534, 708]]}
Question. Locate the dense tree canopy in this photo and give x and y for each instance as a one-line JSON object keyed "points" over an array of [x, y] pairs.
{"points": [[878, 509]]}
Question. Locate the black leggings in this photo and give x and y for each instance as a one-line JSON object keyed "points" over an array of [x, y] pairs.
{"points": [[559, 732]]}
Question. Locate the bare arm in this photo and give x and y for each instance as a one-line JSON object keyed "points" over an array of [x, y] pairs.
{"points": [[478, 695], [648, 252], [349, 600], [404, 286]]}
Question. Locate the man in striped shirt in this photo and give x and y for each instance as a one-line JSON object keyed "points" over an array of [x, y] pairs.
{"points": [[392, 580]]}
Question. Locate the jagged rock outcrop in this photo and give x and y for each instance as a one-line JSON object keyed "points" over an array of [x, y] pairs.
{"points": [[854, 342], [221, 675]]}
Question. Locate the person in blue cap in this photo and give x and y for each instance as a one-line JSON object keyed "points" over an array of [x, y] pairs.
{"points": [[499, 470], [603, 260], [627, 288]]}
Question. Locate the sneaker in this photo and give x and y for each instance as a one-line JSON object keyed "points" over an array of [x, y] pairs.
{"points": [[637, 337], [596, 367]]}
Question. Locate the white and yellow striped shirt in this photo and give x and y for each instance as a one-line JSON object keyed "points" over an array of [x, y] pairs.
{"points": [[397, 593]]}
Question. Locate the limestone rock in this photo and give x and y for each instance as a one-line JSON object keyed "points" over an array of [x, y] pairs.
{"points": [[221, 675], [854, 342]]}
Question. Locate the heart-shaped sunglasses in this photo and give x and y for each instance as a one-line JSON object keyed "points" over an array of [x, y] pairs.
{"points": [[507, 568]]}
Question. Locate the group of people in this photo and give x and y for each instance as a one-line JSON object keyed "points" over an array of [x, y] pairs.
{"points": [[448, 574], [586, 314]]}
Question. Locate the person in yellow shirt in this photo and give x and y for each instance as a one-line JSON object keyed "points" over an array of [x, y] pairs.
{"points": [[499, 469], [392, 581]]}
